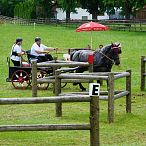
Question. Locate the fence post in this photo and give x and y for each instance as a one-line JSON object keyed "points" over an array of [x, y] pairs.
{"points": [[57, 92], [90, 70], [142, 73], [128, 88], [111, 97], [54, 69], [90, 67], [34, 78], [94, 121]]}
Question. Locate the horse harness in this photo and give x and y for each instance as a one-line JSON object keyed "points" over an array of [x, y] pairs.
{"points": [[106, 56]]}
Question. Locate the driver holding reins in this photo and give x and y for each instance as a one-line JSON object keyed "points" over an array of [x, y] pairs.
{"points": [[40, 51]]}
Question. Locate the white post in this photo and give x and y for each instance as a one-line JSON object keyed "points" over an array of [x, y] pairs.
{"points": [[34, 24]]}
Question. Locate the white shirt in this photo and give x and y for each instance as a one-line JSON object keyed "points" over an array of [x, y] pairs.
{"points": [[35, 48], [18, 49]]}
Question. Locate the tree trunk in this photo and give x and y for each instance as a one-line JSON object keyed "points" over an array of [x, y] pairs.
{"points": [[46, 8], [127, 15], [67, 15], [94, 15], [128, 10]]}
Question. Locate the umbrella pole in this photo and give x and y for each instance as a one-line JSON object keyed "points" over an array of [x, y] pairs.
{"points": [[91, 39]]}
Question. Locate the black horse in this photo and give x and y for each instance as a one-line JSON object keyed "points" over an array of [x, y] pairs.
{"points": [[103, 59]]}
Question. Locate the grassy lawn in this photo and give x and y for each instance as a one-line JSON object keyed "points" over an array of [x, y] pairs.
{"points": [[127, 130]]}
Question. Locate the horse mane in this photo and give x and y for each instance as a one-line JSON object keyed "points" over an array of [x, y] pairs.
{"points": [[104, 49]]}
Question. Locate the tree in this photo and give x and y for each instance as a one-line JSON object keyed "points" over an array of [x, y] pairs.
{"points": [[24, 9], [68, 6], [7, 7], [44, 8], [128, 7], [94, 7]]}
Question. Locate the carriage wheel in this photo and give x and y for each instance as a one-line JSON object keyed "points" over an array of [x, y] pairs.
{"points": [[42, 74], [20, 79]]}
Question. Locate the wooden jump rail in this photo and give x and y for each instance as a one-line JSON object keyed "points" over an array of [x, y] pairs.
{"points": [[60, 77], [111, 93], [93, 126], [143, 72], [55, 64]]}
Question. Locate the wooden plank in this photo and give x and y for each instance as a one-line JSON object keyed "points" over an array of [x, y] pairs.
{"points": [[103, 97], [39, 100], [44, 127], [68, 69], [63, 64], [74, 81], [98, 73], [87, 93], [76, 76], [119, 95], [47, 80], [121, 75]]}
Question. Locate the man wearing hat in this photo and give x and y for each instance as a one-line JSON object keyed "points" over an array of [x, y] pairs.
{"points": [[17, 52], [40, 51]]}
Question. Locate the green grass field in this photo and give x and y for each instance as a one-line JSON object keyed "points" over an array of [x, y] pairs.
{"points": [[127, 130]]}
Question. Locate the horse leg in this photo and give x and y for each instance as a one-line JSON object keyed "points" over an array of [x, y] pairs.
{"points": [[99, 81], [80, 70], [82, 87]]}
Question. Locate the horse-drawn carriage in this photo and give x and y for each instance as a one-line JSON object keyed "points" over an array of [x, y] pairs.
{"points": [[102, 62]]}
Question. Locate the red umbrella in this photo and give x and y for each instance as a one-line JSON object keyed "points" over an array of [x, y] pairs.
{"points": [[92, 26]]}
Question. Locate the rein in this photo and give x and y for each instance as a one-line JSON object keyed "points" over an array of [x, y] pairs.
{"points": [[106, 56]]}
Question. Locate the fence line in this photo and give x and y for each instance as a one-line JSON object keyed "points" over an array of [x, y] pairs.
{"points": [[124, 25], [112, 95], [93, 126], [60, 77]]}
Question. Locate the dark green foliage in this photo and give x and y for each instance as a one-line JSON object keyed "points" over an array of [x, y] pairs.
{"points": [[128, 7], [24, 9], [94, 7], [7, 7], [43, 8]]}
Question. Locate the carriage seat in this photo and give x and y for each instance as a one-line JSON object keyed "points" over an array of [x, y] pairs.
{"points": [[29, 56]]}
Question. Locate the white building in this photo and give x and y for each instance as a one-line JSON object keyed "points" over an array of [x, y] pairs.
{"points": [[81, 14]]}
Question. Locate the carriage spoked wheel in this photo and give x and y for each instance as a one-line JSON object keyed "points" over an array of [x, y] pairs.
{"points": [[20, 79], [42, 74]]}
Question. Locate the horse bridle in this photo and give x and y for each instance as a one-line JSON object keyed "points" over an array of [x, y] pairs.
{"points": [[106, 56]]}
